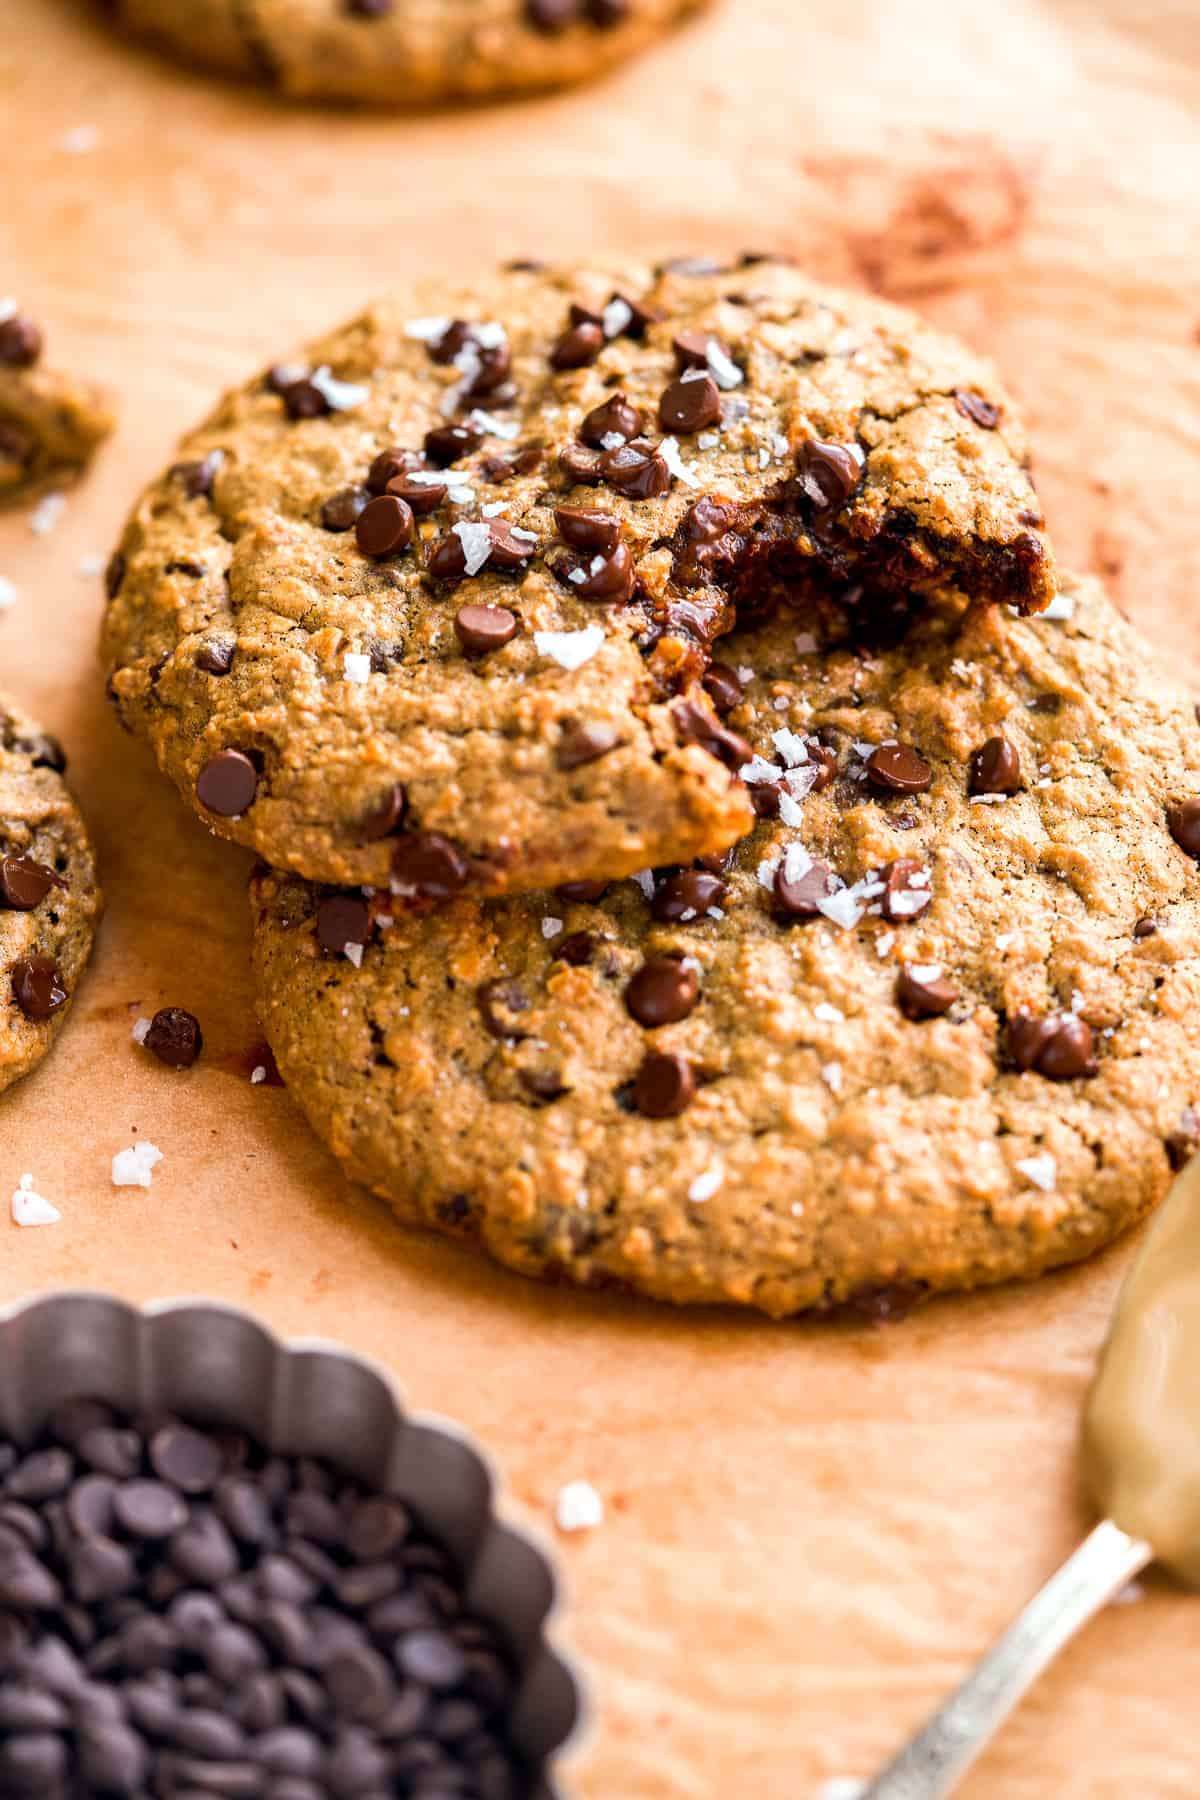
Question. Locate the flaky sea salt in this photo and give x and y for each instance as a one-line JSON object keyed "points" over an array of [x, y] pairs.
{"points": [[1041, 1170], [427, 331], [551, 927], [758, 770], [570, 649], [617, 315], [88, 567], [841, 1787], [501, 428], [645, 880], [829, 1015], [722, 367], [831, 1075], [708, 440], [766, 871], [578, 1507], [796, 862], [141, 1030], [258, 1075], [353, 954], [31, 1208], [357, 665], [793, 749], [8, 593], [476, 540], [706, 1184], [46, 514], [669, 451], [790, 810], [343, 396], [133, 1167]]}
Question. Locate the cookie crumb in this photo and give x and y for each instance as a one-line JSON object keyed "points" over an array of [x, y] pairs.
{"points": [[578, 1507]]}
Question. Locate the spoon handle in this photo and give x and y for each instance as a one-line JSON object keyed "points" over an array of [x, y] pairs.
{"points": [[933, 1762]]}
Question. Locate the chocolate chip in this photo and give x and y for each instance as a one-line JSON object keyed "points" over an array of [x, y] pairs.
{"points": [[511, 545], [421, 497], [342, 919], [636, 468], [432, 1658], [662, 992], [607, 13], [577, 948], [1145, 927], [609, 579], [341, 511], [484, 628], [447, 444], [691, 349], [924, 995], [1057, 1045], [447, 561], [38, 987], [552, 16], [1180, 1144], [384, 818], [697, 726], [149, 1509], [995, 768], [687, 895], [823, 760], [582, 891], [25, 883], [304, 400], [21, 341], [663, 1087], [215, 656], [614, 417], [457, 335], [974, 407], [427, 866], [190, 1460], [392, 465], [899, 769], [585, 742], [907, 890], [582, 529], [384, 527], [174, 1037], [828, 473], [499, 1002], [503, 466], [196, 478], [723, 686], [690, 405], [579, 465], [227, 784], [1183, 822], [578, 346], [796, 895]]}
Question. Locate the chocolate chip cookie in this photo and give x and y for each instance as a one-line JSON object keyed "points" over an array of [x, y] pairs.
{"points": [[405, 52], [435, 601], [50, 423], [934, 1024], [49, 898]]}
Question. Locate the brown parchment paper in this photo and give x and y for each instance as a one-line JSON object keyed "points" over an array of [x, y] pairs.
{"points": [[810, 1530]]}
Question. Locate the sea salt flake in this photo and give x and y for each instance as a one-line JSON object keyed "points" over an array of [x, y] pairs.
{"points": [[343, 396], [46, 514], [501, 428], [8, 593], [531, 537], [611, 440], [708, 440], [843, 909], [796, 862], [578, 1507], [489, 334], [645, 880], [883, 943], [476, 541], [780, 445], [428, 477], [744, 673], [721, 367], [1041, 1170], [793, 749], [706, 1184], [802, 781], [551, 927], [925, 971], [133, 1167], [257, 1075], [806, 643], [353, 954], [493, 509], [427, 331], [577, 577], [758, 769], [989, 799], [31, 1208], [1061, 608], [616, 317], [764, 458], [831, 1015], [8, 308], [766, 870], [141, 1030], [357, 665], [1004, 939], [570, 649], [669, 451], [790, 810], [841, 1787], [831, 1075]]}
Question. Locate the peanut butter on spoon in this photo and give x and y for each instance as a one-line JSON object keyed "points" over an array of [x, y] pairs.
{"points": [[1141, 1428]]}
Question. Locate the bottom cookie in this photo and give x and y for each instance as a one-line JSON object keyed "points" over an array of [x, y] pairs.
{"points": [[50, 900], [934, 1024]]}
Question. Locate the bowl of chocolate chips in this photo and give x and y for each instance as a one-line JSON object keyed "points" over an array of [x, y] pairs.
{"points": [[235, 1567]]}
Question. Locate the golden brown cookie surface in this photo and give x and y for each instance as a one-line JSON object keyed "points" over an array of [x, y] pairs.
{"points": [[935, 1026], [456, 571]]}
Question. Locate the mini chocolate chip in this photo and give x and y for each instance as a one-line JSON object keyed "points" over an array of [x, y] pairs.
{"points": [[484, 628], [578, 346], [341, 510], [447, 560], [190, 1460], [691, 349], [582, 891], [149, 1509], [614, 417], [390, 465], [907, 890], [797, 896], [427, 866], [174, 1037], [421, 497], [447, 444], [304, 400], [980, 411], [824, 760], [38, 987], [503, 466], [662, 992], [995, 768], [582, 529], [1057, 1045], [636, 468], [196, 478], [215, 656], [723, 686], [610, 579], [498, 1001], [585, 742], [227, 784], [25, 883], [1146, 927], [432, 1658], [899, 769], [20, 341], [384, 527], [663, 1087], [697, 726], [765, 798], [1183, 822], [580, 465], [925, 996], [509, 550], [342, 919], [828, 473], [688, 894], [384, 818], [457, 335], [577, 948], [690, 404]]}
